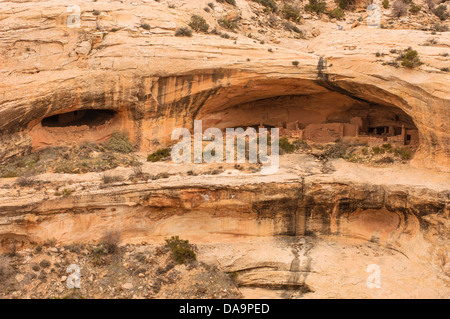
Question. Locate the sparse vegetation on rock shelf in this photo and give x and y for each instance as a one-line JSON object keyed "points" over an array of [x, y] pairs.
{"points": [[198, 23], [411, 59], [336, 13], [183, 32], [232, 2], [316, 6], [441, 12], [111, 240], [228, 24], [119, 142], [182, 251], [399, 9], [291, 12], [270, 5], [159, 155]]}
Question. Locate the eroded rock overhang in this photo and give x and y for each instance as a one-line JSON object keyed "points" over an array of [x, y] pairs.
{"points": [[150, 107]]}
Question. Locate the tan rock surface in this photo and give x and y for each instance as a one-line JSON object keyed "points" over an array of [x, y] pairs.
{"points": [[338, 217], [160, 81]]}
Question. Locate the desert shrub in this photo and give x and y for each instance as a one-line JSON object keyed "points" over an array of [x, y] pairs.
{"points": [[96, 12], [385, 4], [9, 173], [119, 142], [439, 27], [182, 251], [387, 147], [137, 169], [139, 174], [411, 59], [378, 150], [74, 294], [385, 160], [285, 145], [431, 41], [295, 63], [108, 179], [183, 32], [344, 4], [316, 6], [414, 9], [66, 192], [228, 24], [336, 150], [145, 26], [399, 9], [292, 27], [111, 240], [158, 155], [269, 5], [300, 144], [198, 23], [403, 152], [441, 12], [336, 13], [45, 263], [232, 2], [50, 242], [98, 252], [25, 180], [74, 248], [291, 12], [365, 151]]}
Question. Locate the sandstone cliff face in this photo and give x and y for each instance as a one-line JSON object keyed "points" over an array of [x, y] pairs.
{"points": [[155, 81], [301, 229], [388, 215], [255, 226]]}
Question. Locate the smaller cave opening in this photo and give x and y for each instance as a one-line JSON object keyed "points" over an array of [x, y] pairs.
{"points": [[88, 117], [255, 126]]}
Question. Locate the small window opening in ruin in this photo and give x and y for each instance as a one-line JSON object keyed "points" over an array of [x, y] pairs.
{"points": [[380, 130], [88, 117], [408, 137]]}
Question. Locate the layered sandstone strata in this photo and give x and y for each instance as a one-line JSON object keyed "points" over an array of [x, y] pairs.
{"points": [[154, 81]]}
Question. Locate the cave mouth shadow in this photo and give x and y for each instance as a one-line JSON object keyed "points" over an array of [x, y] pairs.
{"points": [[88, 117], [321, 118]]}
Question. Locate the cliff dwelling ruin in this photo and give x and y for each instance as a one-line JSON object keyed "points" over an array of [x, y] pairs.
{"points": [[320, 119]]}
